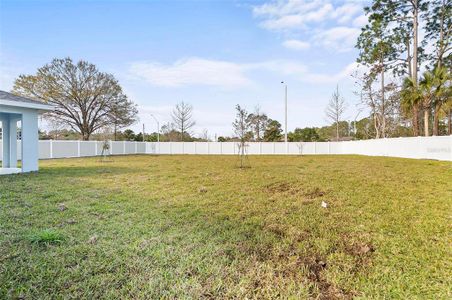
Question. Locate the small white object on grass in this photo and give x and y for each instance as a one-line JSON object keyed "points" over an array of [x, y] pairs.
{"points": [[62, 207], [324, 204], [92, 240]]}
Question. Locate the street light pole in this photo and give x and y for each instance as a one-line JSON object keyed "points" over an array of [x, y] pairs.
{"points": [[285, 110], [158, 128]]}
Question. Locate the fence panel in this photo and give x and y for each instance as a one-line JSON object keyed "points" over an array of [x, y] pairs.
{"points": [[215, 148], [117, 148], [439, 147], [141, 147], [63, 149], [88, 148], [130, 147], [45, 151]]}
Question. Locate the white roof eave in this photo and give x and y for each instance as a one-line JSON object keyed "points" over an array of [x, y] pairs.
{"points": [[38, 106]]}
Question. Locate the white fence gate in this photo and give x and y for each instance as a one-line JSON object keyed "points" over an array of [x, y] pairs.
{"points": [[435, 147]]}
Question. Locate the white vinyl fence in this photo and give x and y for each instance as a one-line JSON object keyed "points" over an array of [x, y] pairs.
{"points": [[438, 147]]}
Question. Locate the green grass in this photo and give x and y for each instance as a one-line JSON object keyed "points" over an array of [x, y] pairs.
{"points": [[46, 236], [147, 227]]}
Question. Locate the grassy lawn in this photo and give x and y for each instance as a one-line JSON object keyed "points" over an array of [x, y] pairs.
{"points": [[199, 227]]}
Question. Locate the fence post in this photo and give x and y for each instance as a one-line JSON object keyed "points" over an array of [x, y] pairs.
{"points": [[329, 150], [221, 148], [315, 147], [51, 148], [78, 148], [260, 148], [171, 147], [95, 148], [136, 147], [208, 148], [274, 148]]}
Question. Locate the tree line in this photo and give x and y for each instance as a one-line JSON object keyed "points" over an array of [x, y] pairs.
{"points": [[407, 77]]}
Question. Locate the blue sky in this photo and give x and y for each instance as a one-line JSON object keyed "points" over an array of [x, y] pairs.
{"points": [[211, 54]]}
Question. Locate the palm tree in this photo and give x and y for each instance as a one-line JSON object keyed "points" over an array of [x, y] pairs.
{"points": [[442, 94], [433, 91], [427, 86], [447, 108], [411, 100]]}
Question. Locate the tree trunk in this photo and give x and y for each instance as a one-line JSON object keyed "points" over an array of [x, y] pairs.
{"points": [[383, 118], [416, 120], [376, 126], [415, 39], [436, 119], [426, 121], [337, 131], [409, 58], [449, 122], [441, 35], [414, 66]]}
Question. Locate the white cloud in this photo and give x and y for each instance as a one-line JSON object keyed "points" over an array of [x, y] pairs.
{"points": [[199, 71], [297, 14], [283, 22], [360, 21], [332, 78], [283, 67], [332, 24], [184, 74], [338, 38], [346, 12], [192, 71], [281, 8], [296, 45]]}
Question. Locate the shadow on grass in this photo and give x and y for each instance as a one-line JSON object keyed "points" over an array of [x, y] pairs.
{"points": [[83, 171]]}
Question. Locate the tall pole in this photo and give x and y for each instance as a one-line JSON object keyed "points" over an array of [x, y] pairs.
{"points": [[158, 128], [285, 110], [158, 132], [143, 132]]}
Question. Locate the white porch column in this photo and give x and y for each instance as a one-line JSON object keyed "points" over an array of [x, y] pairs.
{"points": [[6, 141], [30, 141], [13, 142]]}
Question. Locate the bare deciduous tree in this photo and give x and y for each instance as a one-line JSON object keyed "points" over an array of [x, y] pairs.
{"points": [[242, 129], [182, 116], [85, 99], [335, 109], [205, 135], [384, 110]]}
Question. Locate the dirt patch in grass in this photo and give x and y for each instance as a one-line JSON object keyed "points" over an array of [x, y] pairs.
{"points": [[292, 263], [360, 249], [306, 264], [326, 290], [282, 187], [314, 193], [294, 189]]}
